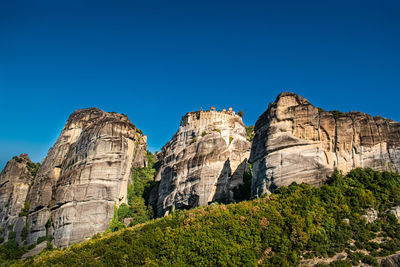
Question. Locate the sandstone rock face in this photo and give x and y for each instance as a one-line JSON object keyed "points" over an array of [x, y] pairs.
{"points": [[297, 142], [84, 174], [14, 185], [203, 162], [36, 250], [390, 261]]}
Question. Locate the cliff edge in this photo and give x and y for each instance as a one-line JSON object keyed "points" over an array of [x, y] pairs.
{"points": [[298, 142]]}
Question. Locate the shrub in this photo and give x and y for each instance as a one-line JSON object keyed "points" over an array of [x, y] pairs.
{"points": [[336, 114], [24, 210], [17, 159], [33, 168], [250, 133], [41, 239], [275, 230], [12, 235], [138, 192], [203, 133], [124, 211]]}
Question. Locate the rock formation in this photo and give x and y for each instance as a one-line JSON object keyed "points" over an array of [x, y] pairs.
{"points": [[203, 162], [84, 174], [390, 261], [297, 142], [15, 180]]}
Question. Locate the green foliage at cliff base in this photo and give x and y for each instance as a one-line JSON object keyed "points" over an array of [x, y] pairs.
{"points": [[138, 210], [298, 222]]}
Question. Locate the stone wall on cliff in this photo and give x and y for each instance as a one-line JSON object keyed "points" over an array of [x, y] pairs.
{"points": [[84, 174], [203, 162], [298, 142]]}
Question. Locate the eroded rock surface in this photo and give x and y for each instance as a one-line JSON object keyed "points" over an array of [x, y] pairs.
{"points": [[83, 175], [203, 162], [14, 185], [297, 142], [390, 261]]}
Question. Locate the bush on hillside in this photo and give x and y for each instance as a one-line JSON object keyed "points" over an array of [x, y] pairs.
{"points": [[298, 221]]}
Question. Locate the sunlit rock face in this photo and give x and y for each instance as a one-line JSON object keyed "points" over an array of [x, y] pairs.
{"points": [[297, 142], [203, 162], [84, 174], [14, 185]]}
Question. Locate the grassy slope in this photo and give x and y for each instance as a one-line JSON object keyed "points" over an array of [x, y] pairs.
{"points": [[281, 229]]}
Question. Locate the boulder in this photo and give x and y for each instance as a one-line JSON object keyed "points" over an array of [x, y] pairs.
{"points": [[370, 216]]}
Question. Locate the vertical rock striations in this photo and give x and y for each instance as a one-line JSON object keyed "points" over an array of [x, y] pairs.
{"points": [[15, 180], [84, 174], [203, 162], [297, 142]]}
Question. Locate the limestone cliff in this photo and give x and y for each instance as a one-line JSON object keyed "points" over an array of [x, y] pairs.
{"points": [[84, 174], [297, 142], [203, 162], [14, 185]]}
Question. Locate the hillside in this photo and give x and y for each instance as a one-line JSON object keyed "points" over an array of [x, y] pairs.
{"points": [[288, 228]]}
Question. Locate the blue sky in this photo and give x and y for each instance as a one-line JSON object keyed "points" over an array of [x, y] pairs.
{"points": [[157, 60]]}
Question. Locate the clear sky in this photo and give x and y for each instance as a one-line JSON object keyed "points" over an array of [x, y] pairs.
{"points": [[156, 60]]}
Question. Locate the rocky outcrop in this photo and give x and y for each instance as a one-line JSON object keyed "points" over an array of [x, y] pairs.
{"points": [[15, 180], [396, 212], [84, 174], [370, 216], [297, 142], [390, 261], [203, 162]]}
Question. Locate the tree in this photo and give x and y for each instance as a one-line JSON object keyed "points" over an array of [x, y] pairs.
{"points": [[241, 113]]}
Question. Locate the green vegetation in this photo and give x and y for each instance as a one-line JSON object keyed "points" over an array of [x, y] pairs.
{"points": [[230, 140], [203, 133], [138, 210], [241, 113], [17, 159], [194, 140], [250, 133], [336, 114], [11, 252], [217, 130], [243, 191], [25, 210], [116, 223], [33, 168], [297, 222], [24, 232]]}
